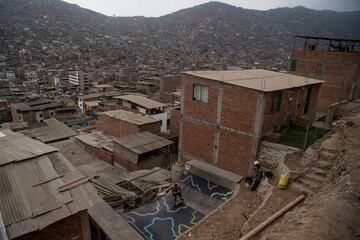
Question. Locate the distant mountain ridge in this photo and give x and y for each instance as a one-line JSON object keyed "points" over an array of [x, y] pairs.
{"points": [[212, 28]]}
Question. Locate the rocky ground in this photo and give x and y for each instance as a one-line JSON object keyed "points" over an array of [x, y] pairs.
{"points": [[328, 173]]}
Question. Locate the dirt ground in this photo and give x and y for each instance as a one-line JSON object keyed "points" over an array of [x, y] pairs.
{"points": [[226, 222], [332, 212]]}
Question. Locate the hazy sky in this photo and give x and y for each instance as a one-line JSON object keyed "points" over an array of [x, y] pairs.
{"points": [[155, 8]]}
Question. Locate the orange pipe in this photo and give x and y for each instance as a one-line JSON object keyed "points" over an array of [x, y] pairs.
{"points": [[268, 221]]}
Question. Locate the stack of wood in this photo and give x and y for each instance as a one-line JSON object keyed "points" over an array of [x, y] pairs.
{"points": [[114, 195]]}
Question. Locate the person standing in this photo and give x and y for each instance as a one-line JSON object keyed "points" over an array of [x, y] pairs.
{"points": [[176, 191]]}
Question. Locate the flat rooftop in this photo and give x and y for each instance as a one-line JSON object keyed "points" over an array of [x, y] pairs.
{"points": [[97, 139], [131, 117], [97, 95], [258, 79], [142, 101]]}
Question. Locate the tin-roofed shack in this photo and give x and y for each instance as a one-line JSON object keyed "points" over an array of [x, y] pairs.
{"points": [[142, 151], [43, 196]]}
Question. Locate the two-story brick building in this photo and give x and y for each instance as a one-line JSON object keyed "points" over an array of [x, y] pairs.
{"points": [[336, 61], [225, 114]]}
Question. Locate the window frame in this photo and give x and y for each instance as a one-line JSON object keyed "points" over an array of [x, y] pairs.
{"points": [[204, 98], [278, 105], [320, 66], [293, 64]]}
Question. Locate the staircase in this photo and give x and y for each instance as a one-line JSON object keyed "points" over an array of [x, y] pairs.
{"points": [[320, 164]]}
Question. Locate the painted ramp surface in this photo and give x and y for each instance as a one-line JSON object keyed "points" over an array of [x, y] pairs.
{"points": [[206, 187], [161, 221]]}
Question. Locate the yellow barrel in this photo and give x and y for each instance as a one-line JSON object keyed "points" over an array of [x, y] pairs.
{"points": [[283, 182]]}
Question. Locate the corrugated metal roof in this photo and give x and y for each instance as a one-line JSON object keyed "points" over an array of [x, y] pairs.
{"points": [[143, 142], [17, 147], [29, 195], [54, 131]]}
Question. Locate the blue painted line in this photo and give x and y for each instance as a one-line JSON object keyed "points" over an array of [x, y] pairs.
{"points": [[160, 219]]}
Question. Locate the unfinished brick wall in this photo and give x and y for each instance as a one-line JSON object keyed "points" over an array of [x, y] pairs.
{"points": [[104, 155], [235, 152], [119, 128], [169, 83], [292, 107], [339, 71], [196, 109], [239, 108], [124, 157], [174, 122], [198, 140], [151, 127], [227, 144], [70, 228]]}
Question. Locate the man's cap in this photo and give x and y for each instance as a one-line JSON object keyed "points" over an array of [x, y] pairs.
{"points": [[256, 163]]}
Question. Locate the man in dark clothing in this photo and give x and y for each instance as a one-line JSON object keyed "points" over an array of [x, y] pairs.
{"points": [[258, 176], [176, 191]]}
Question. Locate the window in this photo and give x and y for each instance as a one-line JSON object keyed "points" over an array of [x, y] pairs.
{"points": [[319, 68], [276, 102], [200, 93], [293, 64]]}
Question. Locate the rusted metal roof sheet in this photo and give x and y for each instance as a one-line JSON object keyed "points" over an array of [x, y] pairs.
{"points": [[17, 147], [54, 131], [30, 198], [143, 142]]}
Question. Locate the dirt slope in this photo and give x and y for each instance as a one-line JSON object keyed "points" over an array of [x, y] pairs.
{"points": [[334, 211]]}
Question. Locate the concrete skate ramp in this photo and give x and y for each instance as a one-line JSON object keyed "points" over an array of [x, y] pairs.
{"points": [[161, 221], [214, 174]]}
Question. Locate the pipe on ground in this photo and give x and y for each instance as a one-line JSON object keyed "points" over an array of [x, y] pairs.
{"points": [[268, 221]]}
